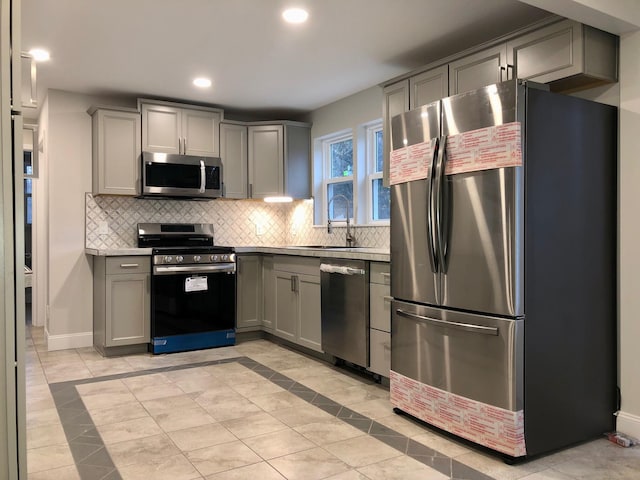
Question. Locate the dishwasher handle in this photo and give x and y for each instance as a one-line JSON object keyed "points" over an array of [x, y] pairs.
{"points": [[341, 270]]}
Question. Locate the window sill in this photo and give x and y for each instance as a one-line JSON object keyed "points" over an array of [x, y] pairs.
{"points": [[357, 225]]}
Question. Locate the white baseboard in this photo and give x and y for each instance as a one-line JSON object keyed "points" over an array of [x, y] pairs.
{"points": [[629, 424], [69, 340]]}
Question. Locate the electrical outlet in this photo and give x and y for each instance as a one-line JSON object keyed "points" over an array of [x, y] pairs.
{"points": [[259, 229], [103, 228]]}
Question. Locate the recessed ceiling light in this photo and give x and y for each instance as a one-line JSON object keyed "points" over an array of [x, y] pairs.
{"points": [[202, 82], [295, 15], [39, 55]]}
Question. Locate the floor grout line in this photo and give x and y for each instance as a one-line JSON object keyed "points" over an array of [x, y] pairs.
{"points": [[65, 393]]}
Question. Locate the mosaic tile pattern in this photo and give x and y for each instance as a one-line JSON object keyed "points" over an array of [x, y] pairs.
{"points": [[236, 222], [302, 232]]}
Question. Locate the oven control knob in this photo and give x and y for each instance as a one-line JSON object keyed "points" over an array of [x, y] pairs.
{"points": [[168, 258], [179, 258], [225, 257], [197, 258], [214, 258]]}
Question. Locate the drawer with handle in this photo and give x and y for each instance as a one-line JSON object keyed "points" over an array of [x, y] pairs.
{"points": [[380, 273], [128, 264]]}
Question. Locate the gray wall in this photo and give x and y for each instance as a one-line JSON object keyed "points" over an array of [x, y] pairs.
{"points": [[66, 129]]}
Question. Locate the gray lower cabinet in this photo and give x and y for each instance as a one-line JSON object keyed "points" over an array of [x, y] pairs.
{"points": [[249, 292], [269, 293], [296, 282], [121, 303], [379, 319]]}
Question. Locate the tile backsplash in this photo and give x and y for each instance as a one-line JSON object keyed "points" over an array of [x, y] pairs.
{"points": [[236, 222]]}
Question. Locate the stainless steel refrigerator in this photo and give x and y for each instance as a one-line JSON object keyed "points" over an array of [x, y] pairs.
{"points": [[503, 267]]}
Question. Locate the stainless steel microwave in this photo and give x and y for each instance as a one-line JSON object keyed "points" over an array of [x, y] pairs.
{"points": [[186, 176]]}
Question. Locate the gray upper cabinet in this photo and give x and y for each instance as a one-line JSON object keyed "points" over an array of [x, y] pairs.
{"points": [[170, 128], [395, 102], [429, 86], [567, 55], [266, 161], [279, 159], [478, 70], [233, 152], [418, 90], [115, 150]]}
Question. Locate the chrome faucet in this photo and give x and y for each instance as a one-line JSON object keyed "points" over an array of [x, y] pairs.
{"points": [[350, 239]]}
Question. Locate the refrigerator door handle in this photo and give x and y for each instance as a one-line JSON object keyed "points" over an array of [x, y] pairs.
{"points": [[467, 327], [431, 209], [442, 213]]}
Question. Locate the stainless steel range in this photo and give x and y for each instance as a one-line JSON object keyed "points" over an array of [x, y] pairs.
{"points": [[193, 287]]}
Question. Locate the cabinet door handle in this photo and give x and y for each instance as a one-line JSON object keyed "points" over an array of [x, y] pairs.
{"points": [[251, 190], [385, 274], [387, 298], [501, 71], [129, 265], [293, 283], [184, 145], [510, 71]]}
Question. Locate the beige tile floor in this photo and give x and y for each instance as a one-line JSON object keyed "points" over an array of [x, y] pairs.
{"points": [[225, 421]]}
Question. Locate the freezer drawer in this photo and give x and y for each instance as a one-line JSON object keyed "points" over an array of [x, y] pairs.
{"points": [[474, 356]]}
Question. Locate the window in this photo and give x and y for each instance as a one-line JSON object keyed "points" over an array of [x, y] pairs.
{"points": [[348, 169], [379, 196], [337, 155]]}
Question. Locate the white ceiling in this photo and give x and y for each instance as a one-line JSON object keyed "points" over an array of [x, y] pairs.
{"points": [[154, 48]]}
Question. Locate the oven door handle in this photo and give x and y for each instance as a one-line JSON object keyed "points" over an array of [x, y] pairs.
{"points": [[195, 269]]}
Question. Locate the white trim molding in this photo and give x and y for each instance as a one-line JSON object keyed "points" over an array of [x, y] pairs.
{"points": [[69, 340], [628, 424]]}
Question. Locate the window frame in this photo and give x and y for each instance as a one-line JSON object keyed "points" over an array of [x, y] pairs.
{"points": [[372, 174], [327, 179]]}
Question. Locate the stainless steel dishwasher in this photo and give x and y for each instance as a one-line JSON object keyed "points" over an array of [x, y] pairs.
{"points": [[345, 309]]}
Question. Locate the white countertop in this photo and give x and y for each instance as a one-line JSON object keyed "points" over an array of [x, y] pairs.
{"points": [[359, 253], [117, 252]]}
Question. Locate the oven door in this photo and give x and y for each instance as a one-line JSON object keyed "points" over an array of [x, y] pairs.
{"points": [[192, 307], [181, 176]]}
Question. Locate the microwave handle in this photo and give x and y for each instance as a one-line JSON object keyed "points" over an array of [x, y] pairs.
{"points": [[203, 177]]}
